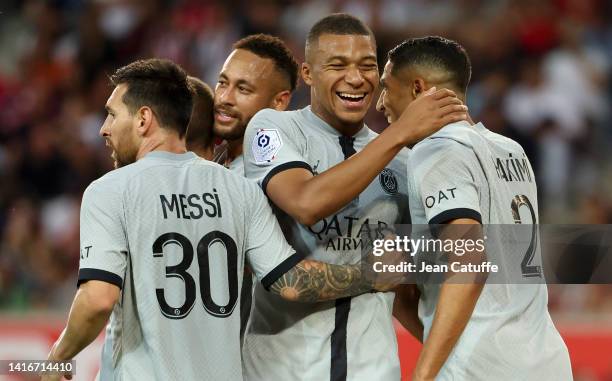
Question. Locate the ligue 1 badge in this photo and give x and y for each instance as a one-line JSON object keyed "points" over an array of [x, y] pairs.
{"points": [[266, 144], [388, 181]]}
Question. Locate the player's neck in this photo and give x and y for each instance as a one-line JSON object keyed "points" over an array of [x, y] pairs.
{"points": [[166, 143], [346, 129], [205, 152], [234, 149]]}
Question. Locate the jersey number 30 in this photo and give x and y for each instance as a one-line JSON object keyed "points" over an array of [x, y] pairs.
{"points": [[180, 271]]}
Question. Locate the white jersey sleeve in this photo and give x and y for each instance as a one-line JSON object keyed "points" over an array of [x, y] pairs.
{"points": [[268, 252], [272, 144], [103, 243], [443, 173]]}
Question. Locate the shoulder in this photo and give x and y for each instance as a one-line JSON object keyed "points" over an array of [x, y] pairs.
{"points": [[436, 147], [112, 181], [105, 190], [236, 180], [439, 152], [286, 123], [270, 117]]}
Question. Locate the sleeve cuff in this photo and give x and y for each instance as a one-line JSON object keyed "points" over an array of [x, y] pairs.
{"points": [[97, 274], [453, 214], [281, 168], [280, 270]]}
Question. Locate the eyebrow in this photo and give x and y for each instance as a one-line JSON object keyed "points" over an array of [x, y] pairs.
{"points": [[238, 82]]}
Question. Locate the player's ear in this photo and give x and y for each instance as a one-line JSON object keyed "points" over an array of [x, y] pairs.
{"points": [[281, 100], [306, 72], [144, 119], [418, 87]]}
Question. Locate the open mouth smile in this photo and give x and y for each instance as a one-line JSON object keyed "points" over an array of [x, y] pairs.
{"points": [[352, 100]]}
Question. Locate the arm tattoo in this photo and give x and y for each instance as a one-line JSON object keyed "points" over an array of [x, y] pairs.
{"points": [[312, 281]]}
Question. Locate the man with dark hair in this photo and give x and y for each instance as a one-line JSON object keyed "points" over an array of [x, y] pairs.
{"points": [[164, 240], [445, 62], [200, 138], [331, 178], [161, 86], [472, 331], [259, 73]]}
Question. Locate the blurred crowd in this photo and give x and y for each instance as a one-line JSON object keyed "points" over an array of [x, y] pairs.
{"points": [[541, 75]]}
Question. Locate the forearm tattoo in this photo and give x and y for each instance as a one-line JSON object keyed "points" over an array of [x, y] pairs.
{"points": [[311, 281]]}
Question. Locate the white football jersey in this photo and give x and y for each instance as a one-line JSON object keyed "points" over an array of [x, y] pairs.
{"points": [[173, 231], [465, 171]]}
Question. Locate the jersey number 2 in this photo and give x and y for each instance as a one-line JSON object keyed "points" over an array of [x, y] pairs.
{"points": [[180, 271], [527, 268]]}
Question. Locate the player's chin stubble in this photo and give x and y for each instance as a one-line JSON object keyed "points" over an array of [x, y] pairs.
{"points": [[234, 132]]}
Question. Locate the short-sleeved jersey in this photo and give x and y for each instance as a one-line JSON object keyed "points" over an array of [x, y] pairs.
{"points": [[237, 165], [220, 157], [172, 230], [317, 341], [465, 171]]}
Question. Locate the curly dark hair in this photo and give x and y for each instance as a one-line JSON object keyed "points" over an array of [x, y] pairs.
{"points": [[267, 46]]}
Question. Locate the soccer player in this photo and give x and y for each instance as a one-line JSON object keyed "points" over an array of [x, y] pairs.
{"points": [[331, 178], [466, 174], [163, 245], [199, 136], [261, 72]]}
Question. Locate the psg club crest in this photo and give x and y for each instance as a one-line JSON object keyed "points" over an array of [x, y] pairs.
{"points": [[388, 182]]}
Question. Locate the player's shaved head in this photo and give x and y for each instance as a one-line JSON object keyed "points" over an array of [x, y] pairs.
{"points": [[442, 61], [339, 24]]}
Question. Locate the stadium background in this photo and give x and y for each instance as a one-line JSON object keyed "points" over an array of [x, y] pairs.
{"points": [[541, 74]]}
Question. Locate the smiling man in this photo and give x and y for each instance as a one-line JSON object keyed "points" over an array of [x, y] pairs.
{"points": [[164, 241], [470, 330], [259, 73], [331, 178]]}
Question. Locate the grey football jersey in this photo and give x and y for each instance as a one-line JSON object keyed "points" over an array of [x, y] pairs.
{"points": [[465, 171], [172, 230], [317, 341], [237, 165]]}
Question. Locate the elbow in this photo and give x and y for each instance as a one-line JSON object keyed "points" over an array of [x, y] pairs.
{"points": [[106, 306], [307, 219], [102, 306], [305, 212], [100, 303]]}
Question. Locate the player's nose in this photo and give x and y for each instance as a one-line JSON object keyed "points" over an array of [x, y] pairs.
{"points": [[104, 130], [225, 96], [354, 77]]}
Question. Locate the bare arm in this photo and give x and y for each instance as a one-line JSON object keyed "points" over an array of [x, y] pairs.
{"points": [[309, 198], [91, 308], [313, 281], [405, 309], [454, 309]]}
